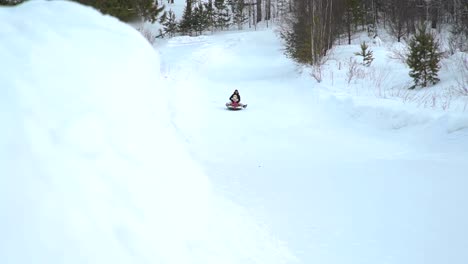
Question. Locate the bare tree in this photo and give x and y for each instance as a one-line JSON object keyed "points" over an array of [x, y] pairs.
{"points": [[400, 13], [312, 29]]}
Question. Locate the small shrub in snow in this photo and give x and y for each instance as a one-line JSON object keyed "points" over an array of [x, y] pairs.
{"points": [[317, 73], [366, 53], [399, 53], [352, 70], [423, 59], [317, 69], [377, 78]]}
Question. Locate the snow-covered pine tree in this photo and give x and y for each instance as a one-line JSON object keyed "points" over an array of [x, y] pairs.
{"points": [[239, 16], [210, 14], [169, 23], [366, 53], [200, 18], [222, 15], [424, 58]]}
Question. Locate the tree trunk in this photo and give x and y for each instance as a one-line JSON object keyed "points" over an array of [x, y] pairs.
{"points": [[267, 9], [259, 10]]}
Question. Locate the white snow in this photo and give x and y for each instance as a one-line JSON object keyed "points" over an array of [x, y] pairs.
{"points": [[91, 168], [341, 177], [114, 151]]}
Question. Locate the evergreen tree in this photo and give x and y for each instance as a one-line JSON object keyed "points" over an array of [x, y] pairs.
{"points": [[200, 18], [127, 10], [148, 9], [238, 12], [210, 14], [366, 53], [354, 16], [10, 2], [424, 58], [169, 23], [186, 24], [358, 15], [297, 42], [222, 16], [197, 18]]}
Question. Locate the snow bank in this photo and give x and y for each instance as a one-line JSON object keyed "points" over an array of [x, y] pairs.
{"points": [[390, 113], [388, 76], [91, 171]]}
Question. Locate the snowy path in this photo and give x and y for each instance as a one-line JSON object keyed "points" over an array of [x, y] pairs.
{"points": [[335, 187]]}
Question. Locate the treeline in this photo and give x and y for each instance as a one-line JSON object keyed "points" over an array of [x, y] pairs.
{"points": [[216, 15], [313, 26], [210, 15], [198, 17], [125, 10], [204, 16], [10, 2], [309, 27]]}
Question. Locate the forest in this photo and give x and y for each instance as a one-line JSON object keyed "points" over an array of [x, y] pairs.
{"points": [[310, 27]]}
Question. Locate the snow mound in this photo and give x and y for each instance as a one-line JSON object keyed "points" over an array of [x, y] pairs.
{"points": [[91, 169], [389, 114]]}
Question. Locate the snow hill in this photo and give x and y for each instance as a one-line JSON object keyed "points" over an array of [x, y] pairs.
{"points": [[91, 169]]}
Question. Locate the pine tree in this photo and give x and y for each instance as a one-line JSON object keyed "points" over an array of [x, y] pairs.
{"points": [[424, 58], [222, 16], [10, 2], [297, 42], [353, 16], [210, 13], [238, 13], [169, 23], [148, 9], [128, 10], [366, 53], [201, 20], [186, 24], [358, 13]]}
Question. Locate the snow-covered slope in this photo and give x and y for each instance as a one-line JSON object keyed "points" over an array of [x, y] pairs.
{"points": [[387, 78], [342, 179], [91, 169]]}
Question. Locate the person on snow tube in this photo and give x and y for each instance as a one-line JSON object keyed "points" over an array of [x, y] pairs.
{"points": [[235, 98]]}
